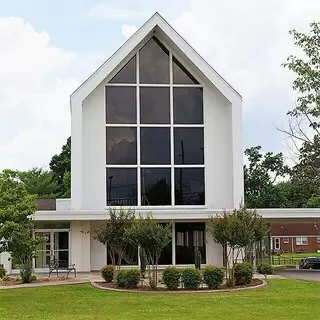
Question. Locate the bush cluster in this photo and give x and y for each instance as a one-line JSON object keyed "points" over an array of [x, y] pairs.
{"points": [[265, 268], [191, 278], [3, 271], [243, 273], [128, 279], [213, 276], [107, 273], [171, 278]]}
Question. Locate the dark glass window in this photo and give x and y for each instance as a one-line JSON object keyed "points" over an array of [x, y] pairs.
{"points": [[166, 253], [155, 145], [127, 74], [154, 63], [181, 75], [189, 186], [188, 105], [121, 105], [154, 105], [155, 186], [129, 258], [121, 186], [188, 237], [121, 145], [188, 146]]}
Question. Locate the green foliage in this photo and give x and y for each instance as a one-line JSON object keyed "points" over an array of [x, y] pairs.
{"points": [[260, 176], [213, 276], [152, 237], [313, 202], [171, 278], [16, 225], [128, 279], [243, 273], [197, 258], [5, 278], [60, 164], [113, 232], [67, 184], [39, 182], [3, 271], [107, 273], [191, 278], [265, 268]]}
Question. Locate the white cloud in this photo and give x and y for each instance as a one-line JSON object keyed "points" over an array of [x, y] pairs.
{"points": [[34, 102], [110, 12], [128, 30]]}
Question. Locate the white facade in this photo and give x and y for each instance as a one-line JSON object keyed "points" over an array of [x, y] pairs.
{"points": [[222, 150]]}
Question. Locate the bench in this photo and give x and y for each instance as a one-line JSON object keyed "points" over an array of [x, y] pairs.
{"points": [[61, 265]]}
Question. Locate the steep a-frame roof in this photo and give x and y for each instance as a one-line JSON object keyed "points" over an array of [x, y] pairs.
{"points": [[156, 21]]}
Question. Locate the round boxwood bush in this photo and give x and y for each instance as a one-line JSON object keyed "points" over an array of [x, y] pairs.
{"points": [[191, 278], [107, 273], [171, 278], [265, 268], [213, 276], [243, 273], [3, 271], [128, 278]]}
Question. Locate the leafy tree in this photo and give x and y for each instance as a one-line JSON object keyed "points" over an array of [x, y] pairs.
{"points": [[113, 233], [16, 225], [237, 232], [60, 164], [152, 237], [260, 179], [39, 182], [313, 202], [67, 184]]}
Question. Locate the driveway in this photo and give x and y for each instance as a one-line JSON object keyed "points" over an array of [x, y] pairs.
{"points": [[309, 275]]}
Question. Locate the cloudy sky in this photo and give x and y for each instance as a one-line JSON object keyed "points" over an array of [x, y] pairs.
{"points": [[47, 48]]}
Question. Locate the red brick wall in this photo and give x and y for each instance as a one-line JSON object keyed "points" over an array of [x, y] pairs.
{"points": [[312, 246]]}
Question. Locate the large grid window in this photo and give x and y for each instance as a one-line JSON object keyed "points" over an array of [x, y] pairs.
{"points": [[154, 132]]}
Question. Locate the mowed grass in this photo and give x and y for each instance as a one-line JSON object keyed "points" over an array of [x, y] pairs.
{"points": [[281, 299], [300, 255]]}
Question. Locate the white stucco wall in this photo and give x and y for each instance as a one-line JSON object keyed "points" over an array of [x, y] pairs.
{"points": [[4, 260], [98, 250], [80, 245], [214, 253]]}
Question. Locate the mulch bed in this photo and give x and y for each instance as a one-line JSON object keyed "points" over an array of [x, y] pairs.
{"points": [[13, 281], [254, 283]]}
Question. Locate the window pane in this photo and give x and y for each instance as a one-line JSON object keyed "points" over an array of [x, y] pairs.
{"points": [[121, 105], [188, 146], [129, 258], [121, 187], [166, 253], [155, 145], [189, 186], [127, 74], [188, 237], [154, 63], [188, 105], [156, 186], [154, 105], [121, 145], [181, 75]]}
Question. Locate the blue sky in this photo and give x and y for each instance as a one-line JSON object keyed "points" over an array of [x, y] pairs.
{"points": [[47, 48]]}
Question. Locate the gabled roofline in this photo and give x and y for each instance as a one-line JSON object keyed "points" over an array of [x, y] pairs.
{"points": [[156, 21]]}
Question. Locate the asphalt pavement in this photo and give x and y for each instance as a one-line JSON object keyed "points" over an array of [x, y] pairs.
{"points": [[300, 274]]}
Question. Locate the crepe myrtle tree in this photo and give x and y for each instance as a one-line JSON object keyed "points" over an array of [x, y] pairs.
{"points": [[152, 237], [238, 232], [112, 233], [16, 224]]}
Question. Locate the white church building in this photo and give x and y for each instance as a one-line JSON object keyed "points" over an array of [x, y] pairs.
{"points": [[156, 129]]}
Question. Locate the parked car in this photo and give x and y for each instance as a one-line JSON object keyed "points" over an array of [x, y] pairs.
{"points": [[310, 263]]}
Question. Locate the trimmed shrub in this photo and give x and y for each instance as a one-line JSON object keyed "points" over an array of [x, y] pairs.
{"points": [[128, 278], [34, 277], [213, 276], [5, 278], [191, 278], [265, 268], [171, 278], [197, 258], [107, 273], [3, 271], [242, 273]]}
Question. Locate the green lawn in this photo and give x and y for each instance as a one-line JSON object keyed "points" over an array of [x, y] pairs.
{"points": [[282, 299], [300, 255]]}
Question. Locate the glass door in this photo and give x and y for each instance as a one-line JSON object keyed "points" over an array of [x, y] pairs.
{"points": [[56, 247]]}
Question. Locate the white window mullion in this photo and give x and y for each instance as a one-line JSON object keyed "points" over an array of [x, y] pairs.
{"points": [[138, 134], [171, 128]]}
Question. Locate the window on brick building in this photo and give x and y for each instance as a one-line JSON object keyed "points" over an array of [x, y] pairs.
{"points": [[286, 240], [301, 241], [318, 240]]}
